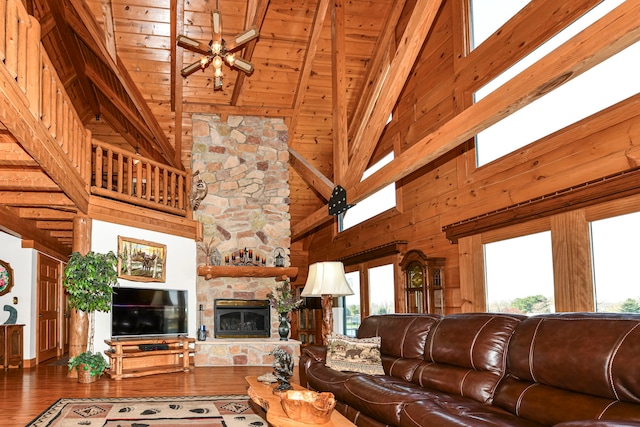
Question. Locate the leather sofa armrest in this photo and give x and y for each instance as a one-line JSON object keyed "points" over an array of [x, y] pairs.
{"points": [[310, 355], [599, 423], [317, 352]]}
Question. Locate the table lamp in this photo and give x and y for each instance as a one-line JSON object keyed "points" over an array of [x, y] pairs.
{"points": [[326, 280]]}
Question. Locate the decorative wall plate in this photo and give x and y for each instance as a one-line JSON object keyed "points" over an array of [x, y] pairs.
{"points": [[6, 278]]}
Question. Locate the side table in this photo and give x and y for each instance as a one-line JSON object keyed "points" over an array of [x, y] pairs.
{"points": [[262, 395]]}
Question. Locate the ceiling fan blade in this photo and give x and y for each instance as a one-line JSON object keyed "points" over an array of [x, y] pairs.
{"points": [[193, 45], [243, 65], [216, 27], [243, 38], [192, 68]]}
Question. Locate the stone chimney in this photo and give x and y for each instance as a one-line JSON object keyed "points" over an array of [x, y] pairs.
{"points": [[245, 164]]}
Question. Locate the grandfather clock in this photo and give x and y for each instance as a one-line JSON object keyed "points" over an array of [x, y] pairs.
{"points": [[424, 283]]}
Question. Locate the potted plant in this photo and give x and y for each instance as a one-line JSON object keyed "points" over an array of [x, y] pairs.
{"points": [[283, 299], [90, 366], [89, 281]]}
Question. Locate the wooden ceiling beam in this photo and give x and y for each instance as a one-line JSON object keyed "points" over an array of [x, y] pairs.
{"points": [[408, 48], [119, 103], [372, 84], [255, 16], [21, 179], [109, 30], [45, 214], [313, 177], [33, 198], [339, 92], [55, 225], [616, 31], [12, 154], [119, 70], [73, 51], [307, 65], [195, 107], [28, 231]]}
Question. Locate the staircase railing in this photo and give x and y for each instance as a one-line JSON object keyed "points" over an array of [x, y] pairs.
{"points": [[40, 88]]}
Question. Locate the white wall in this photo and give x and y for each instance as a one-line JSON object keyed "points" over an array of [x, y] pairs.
{"points": [[23, 262], [180, 274]]}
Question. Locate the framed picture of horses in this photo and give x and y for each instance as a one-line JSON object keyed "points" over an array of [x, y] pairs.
{"points": [[141, 261]]}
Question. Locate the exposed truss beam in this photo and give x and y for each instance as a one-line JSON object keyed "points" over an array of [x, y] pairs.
{"points": [[579, 54]]}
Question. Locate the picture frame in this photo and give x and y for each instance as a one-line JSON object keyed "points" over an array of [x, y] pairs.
{"points": [[141, 260], [6, 278]]}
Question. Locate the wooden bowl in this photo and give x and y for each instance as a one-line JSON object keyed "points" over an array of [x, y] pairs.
{"points": [[308, 406]]}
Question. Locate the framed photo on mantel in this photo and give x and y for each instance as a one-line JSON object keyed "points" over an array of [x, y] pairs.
{"points": [[141, 261]]}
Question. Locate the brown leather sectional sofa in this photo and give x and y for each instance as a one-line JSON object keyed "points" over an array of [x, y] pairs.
{"points": [[484, 369]]}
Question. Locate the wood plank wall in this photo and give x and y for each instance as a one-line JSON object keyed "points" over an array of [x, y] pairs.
{"points": [[452, 189]]}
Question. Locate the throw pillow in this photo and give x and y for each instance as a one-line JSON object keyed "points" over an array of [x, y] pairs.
{"points": [[354, 355]]}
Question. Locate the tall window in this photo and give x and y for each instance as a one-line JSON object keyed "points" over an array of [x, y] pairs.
{"points": [[519, 275], [381, 290], [376, 203], [352, 305], [602, 86], [489, 15], [616, 247]]}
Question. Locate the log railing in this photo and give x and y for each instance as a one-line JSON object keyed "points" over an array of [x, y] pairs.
{"points": [[40, 88], [122, 175]]}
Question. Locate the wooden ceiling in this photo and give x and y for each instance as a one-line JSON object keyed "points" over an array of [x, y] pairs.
{"points": [[319, 64]]}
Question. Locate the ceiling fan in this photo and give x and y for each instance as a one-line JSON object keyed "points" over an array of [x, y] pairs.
{"points": [[218, 51]]}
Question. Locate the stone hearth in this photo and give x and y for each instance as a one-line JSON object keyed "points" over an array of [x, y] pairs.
{"points": [[242, 351]]}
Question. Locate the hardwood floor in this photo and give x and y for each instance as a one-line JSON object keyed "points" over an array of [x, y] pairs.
{"points": [[27, 392]]}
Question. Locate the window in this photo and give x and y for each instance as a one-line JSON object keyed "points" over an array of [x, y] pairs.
{"points": [[615, 244], [519, 275], [373, 205], [489, 15], [381, 290], [604, 85], [352, 305]]}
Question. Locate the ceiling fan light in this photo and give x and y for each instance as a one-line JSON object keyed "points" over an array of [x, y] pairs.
{"points": [[218, 72], [216, 46], [217, 62], [230, 58]]}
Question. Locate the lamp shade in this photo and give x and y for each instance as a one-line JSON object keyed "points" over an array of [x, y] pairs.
{"points": [[326, 278]]}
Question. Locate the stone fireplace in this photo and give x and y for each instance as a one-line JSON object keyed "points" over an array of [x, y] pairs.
{"points": [[244, 161]]}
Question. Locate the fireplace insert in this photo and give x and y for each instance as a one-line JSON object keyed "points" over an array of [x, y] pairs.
{"points": [[240, 318]]}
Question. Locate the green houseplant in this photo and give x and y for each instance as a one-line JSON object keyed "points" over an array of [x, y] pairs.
{"points": [[89, 281], [90, 366]]}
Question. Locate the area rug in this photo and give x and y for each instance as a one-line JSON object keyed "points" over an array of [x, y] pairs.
{"points": [[214, 411]]}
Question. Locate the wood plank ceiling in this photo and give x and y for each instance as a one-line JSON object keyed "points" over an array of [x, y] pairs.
{"points": [[318, 64]]}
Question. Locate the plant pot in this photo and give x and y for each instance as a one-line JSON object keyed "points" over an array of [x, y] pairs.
{"points": [[84, 375]]}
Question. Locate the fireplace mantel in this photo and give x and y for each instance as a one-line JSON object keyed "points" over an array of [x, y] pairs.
{"points": [[280, 273]]}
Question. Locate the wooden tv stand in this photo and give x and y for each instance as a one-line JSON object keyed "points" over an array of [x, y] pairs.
{"points": [[127, 360]]}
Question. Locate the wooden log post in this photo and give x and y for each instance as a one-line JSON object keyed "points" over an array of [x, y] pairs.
{"points": [[79, 320]]}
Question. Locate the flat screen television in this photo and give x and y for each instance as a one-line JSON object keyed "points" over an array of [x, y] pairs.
{"points": [[141, 312]]}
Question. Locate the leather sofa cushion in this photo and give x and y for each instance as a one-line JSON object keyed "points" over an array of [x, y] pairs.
{"points": [[455, 411], [572, 366], [402, 335], [322, 378], [382, 397], [466, 354]]}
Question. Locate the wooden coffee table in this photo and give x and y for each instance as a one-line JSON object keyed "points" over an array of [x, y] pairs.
{"points": [[263, 396]]}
